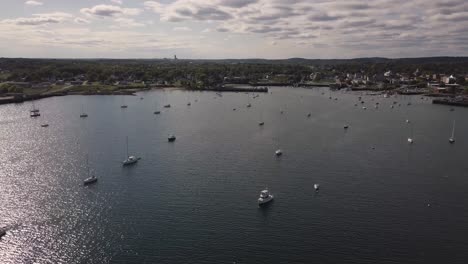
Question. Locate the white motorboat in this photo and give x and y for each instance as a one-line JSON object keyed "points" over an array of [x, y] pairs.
{"points": [[316, 186], [346, 126], [265, 197], [410, 140], [278, 152]]}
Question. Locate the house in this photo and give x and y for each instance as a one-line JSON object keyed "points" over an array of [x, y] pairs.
{"points": [[448, 79]]}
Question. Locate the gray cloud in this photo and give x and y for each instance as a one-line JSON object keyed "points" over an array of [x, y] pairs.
{"points": [[237, 3], [323, 17], [109, 11]]}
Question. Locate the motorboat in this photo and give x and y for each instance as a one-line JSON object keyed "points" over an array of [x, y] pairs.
{"points": [[249, 105], [123, 106], [35, 114], [261, 123], [167, 106], [316, 186], [157, 112], [410, 140], [265, 197], [346, 126], [171, 138], [278, 152]]}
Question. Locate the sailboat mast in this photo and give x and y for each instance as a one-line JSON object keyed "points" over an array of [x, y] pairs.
{"points": [[453, 129], [127, 146], [87, 164]]}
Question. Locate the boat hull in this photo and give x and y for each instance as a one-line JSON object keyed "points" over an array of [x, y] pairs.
{"points": [[129, 162], [263, 201], [90, 181]]}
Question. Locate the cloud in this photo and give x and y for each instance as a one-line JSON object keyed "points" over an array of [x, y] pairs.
{"points": [[80, 20], [313, 28], [39, 19], [186, 29], [33, 3], [237, 3], [122, 22], [110, 11]]}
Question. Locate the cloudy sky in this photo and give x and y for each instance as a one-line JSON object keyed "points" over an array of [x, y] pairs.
{"points": [[233, 28]]}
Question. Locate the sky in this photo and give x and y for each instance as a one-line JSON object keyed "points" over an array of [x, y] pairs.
{"points": [[220, 29]]}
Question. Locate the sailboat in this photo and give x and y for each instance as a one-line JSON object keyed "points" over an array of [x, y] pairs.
{"points": [[91, 179], [34, 112], [123, 104], [157, 112], [261, 123], [130, 159], [83, 114], [410, 139], [452, 138]]}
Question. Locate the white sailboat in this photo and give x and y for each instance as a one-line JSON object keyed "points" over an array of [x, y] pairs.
{"points": [[452, 138], [130, 159], [261, 123], [34, 112], [410, 139], [156, 112], [83, 114], [91, 179], [123, 103]]}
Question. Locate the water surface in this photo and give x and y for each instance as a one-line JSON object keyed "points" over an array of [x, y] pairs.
{"points": [[194, 200]]}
